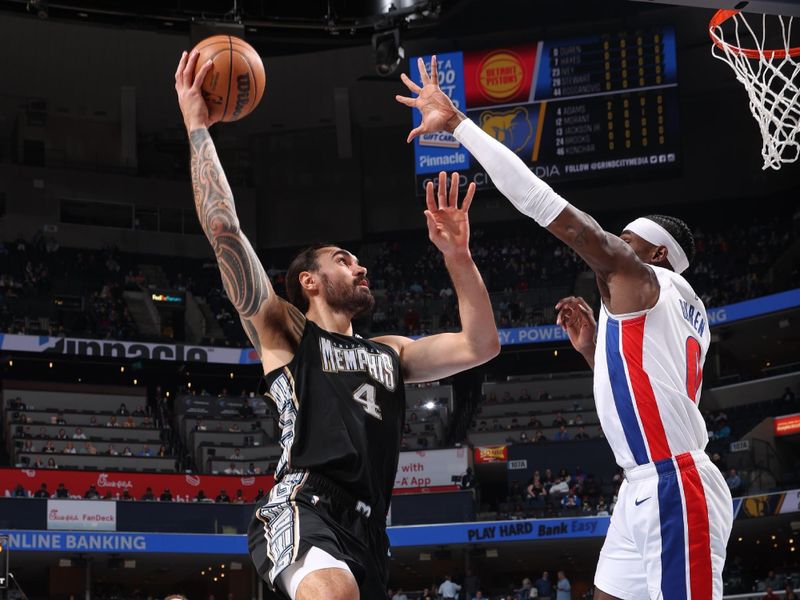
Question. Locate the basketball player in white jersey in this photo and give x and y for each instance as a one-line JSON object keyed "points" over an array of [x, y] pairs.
{"points": [[674, 512]]}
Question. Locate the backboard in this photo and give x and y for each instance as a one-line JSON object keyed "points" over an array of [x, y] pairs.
{"points": [[768, 7]]}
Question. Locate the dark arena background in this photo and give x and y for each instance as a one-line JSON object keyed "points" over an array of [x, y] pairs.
{"points": [[135, 441]]}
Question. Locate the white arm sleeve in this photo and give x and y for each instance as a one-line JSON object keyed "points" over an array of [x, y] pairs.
{"points": [[529, 194]]}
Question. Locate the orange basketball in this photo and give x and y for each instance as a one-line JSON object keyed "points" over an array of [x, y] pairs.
{"points": [[235, 84]]}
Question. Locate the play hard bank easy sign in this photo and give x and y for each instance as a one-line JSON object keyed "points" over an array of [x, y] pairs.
{"points": [[82, 515]]}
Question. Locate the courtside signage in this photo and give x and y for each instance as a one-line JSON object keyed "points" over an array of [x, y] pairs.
{"points": [[68, 515], [430, 470]]}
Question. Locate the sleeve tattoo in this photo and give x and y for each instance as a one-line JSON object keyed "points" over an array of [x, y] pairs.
{"points": [[243, 276]]}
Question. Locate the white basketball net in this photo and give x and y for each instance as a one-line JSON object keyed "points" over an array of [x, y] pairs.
{"points": [[771, 77]]}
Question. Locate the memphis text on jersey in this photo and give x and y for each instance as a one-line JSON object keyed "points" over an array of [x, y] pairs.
{"points": [[350, 358]]}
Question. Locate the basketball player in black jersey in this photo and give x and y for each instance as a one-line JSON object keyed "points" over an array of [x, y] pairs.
{"points": [[320, 534]]}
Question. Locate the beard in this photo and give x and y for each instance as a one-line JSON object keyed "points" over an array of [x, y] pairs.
{"points": [[349, 298]]}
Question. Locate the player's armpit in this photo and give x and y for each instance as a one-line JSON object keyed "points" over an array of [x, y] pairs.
{"points": [[437, 356], [632, 284]]}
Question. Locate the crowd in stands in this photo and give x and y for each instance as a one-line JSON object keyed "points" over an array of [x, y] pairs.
{"points": [[472, 588], [551, 493], [31, 436], [92, 493], [525, 270], [570, 427]]}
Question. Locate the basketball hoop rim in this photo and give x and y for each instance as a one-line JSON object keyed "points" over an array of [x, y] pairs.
{"points": [[723, 15]]}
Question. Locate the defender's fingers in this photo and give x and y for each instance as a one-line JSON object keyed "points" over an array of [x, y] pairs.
{"points": [[410, 84], [423, 72], [564, 301], [429, 197], [415, 132], [583, 304], [452, 199], [468, 198], [442, 190], [406, 100], [434, 70]]}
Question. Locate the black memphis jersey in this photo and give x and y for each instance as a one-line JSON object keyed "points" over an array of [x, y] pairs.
{"points": [[341, 410]]}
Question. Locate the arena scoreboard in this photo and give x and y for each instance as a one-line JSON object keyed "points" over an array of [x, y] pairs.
{"points": [[572, 109]]}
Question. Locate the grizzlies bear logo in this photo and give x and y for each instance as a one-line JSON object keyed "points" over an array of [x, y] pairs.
{"points": [[512, 128]]}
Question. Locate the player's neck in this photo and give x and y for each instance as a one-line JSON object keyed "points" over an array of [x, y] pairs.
{"points": [[330, 320]]}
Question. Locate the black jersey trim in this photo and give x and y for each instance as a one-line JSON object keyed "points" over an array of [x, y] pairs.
{"points": [[269, 376]]}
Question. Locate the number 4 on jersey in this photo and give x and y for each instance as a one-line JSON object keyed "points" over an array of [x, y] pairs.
{"points": [[365, 396]]}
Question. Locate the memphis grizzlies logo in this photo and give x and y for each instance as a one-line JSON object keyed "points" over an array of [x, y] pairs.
{"points": [[512, 128]]}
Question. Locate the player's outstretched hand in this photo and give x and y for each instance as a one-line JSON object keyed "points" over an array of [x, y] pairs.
{"points": [[438, 111], [190, 97], [575, 316], [448, 225]]}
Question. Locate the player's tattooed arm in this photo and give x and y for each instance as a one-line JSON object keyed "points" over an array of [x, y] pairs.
{"points": [[243, 276]]}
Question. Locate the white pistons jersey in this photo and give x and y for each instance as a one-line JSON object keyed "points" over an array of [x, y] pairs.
{"points": [[648, 374]]}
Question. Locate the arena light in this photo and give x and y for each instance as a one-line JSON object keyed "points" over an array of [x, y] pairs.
{"points": [[430, 405], [388, 52]]}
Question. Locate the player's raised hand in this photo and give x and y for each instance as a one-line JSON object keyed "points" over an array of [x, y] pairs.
{"points": [[575, 316], [448, 225], [438, 111], [190, 98]]}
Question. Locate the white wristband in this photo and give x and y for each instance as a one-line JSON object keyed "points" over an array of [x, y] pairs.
{"points": [[529, 194]]}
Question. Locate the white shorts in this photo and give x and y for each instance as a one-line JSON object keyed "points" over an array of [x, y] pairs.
{"points": [[313, 560], [668, 533]]}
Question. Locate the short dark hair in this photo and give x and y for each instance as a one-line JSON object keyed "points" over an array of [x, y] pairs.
{"points": [[679, 230], [306, 260]]}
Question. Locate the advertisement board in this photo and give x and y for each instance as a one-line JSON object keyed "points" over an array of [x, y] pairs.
{"points": [[490, 454], [430, 470], [80, 515], [787, 425]]}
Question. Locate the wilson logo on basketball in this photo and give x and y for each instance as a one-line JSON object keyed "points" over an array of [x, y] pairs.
{"points": [[243, 95], [501, 75]]}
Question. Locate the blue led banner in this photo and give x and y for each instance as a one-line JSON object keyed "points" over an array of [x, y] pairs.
{"points": [[412, 535], [175, 543], [498, 531], [540, 334], [754, 308], [723, 315]]}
